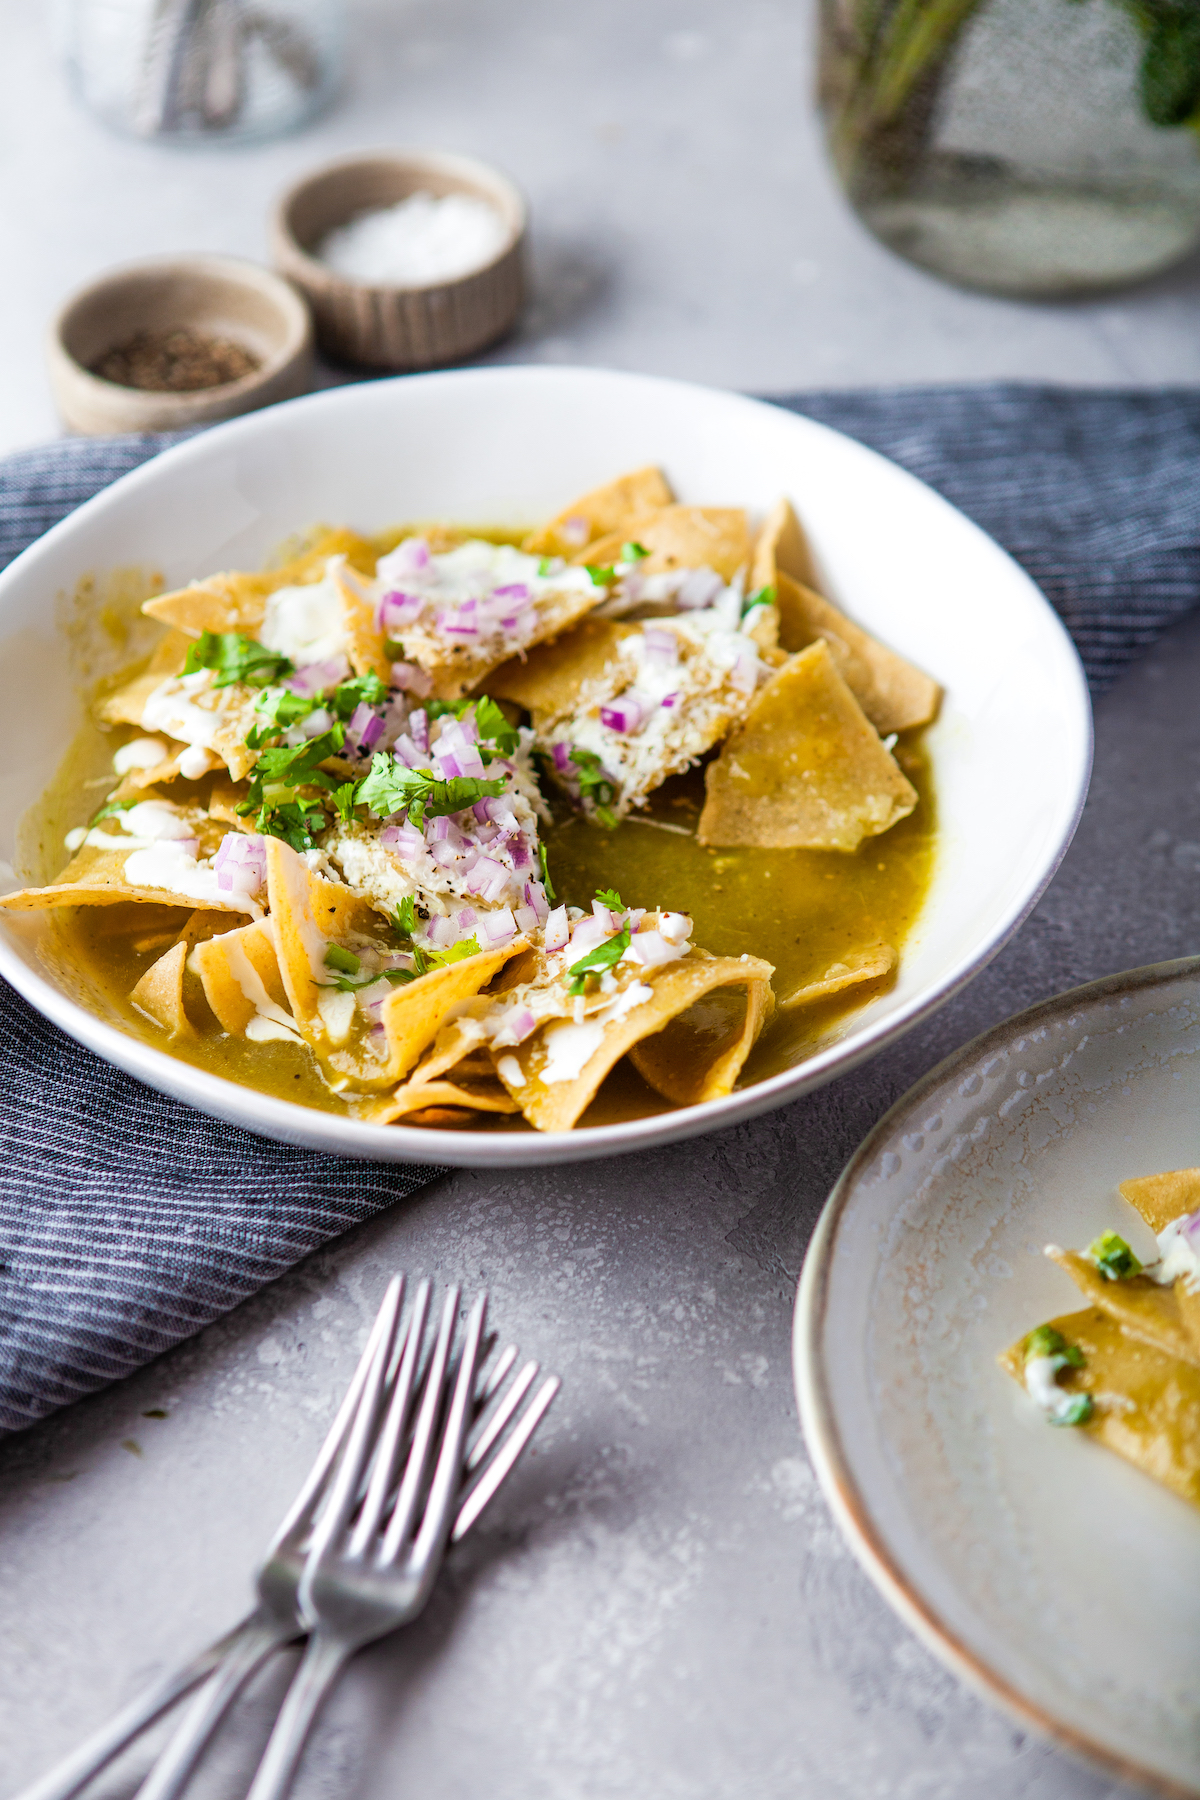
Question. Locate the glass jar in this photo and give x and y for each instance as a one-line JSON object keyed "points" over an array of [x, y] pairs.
{"points": [[1028, 147], [203, 71]]}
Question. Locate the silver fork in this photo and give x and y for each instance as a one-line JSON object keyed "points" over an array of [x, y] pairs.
{"points": [[232, 1659], [373, 1560]]}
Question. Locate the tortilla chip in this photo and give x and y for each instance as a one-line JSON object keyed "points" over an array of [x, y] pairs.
{"points": [[159, 993], [307, 914], [125, 705], [700, 1053], [781, 548], [606, 509], [167, 770], [556, 1105], [413, 1015], [223, 802], [97, 878], [680, 537], [364, 639], [805, 769], [415, 1096], [894, 694], [1140, 1306], [857, 966], [239, 971], [231, 601], [550, 680], [1147, 1404], [1161, 1198]]}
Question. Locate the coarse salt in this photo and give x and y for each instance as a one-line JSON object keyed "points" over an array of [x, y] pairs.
{"points": [[421, 239]]}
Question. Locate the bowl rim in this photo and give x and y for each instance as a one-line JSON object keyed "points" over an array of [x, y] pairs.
{"points": [[292, 308], [818, 1414], [477, 175], [292, 1123]]}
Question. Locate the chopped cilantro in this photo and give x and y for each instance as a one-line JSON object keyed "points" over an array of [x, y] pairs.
{"points": [[278, 774], [294, 821], [349, 694], [491, 724], [278, 708], [546, 881], [391, 787], [236, 658], [345, 798], [595, 785], [404, 918], [602, 957], [1113, 1257], [609, 897], [763, 596], [1044, 1340], [344, 961], [393, 649], [455, 952], [601, 575], [350, 984], [633, 552], [546, 566]]}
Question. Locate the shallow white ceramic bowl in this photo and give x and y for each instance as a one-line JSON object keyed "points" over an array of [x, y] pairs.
{"points": [[1058, 1580], [1011, 749]]}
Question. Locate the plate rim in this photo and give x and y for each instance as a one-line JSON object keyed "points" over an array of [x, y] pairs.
{"points": [[289, 1122], [818, 1419]]}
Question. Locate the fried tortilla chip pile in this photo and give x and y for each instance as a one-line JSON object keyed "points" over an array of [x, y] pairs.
{"points": [[1126, 1369], [336, 768]]}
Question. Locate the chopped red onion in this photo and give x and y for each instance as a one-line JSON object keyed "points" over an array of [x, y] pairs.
{"points": [[365, 727], [535, 897], [698, 589], [240, 863], [410, 556], [190, 846], [447, 764], [527, 919], [318, 677], [396, 610], [649, 948], [516, 590], [442, 932], [577, 530], [562, 756], [558, 931], [488, 879], [466, 919], [418, 726], [496, 928], [515, 1026], [669, 700], [588, 934], [675, 926], [520, 852], [624, 715], [405, 840], [411, 679], [660, 646]]}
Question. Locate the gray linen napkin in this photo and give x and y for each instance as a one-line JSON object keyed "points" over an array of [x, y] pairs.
{"points": [[127, 1221]]}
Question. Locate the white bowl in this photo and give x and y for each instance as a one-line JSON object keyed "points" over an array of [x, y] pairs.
{"points": [[1011, 749], [1057, 1580]]}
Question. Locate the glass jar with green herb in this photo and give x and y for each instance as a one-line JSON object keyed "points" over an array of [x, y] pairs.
{"points": [[1034, 147]]}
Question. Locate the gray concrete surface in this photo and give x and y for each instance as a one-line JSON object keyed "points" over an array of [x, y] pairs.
{"points": [[660, 1608], [684, 220]]}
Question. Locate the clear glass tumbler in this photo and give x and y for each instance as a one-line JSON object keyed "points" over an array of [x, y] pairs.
{"points": [[1027, 147], [203, 71]]}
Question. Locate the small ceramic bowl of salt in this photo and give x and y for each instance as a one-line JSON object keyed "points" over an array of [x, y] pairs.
{"points": [[409, 259]]}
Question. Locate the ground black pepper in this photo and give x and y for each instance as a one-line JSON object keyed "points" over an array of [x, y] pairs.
{"points": [[179, 361]]}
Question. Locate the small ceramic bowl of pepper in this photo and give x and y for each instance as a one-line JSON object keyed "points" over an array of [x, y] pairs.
{"points": [[443, 298], [178, 341]]}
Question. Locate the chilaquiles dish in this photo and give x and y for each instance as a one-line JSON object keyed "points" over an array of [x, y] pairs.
{"points": [[441, 828]]}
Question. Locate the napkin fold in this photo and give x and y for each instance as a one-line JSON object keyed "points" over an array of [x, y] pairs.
{"points": [[129, 1221]]}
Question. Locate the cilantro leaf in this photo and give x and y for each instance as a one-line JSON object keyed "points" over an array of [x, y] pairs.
{"points": [[404, 918], [602, 957], [438, 709], [763, 596], [455, 952], [546, 566], [602, 575], [344, 961], [294, 821], [351, 693], [595, 785], [279, 772], [492, 725], [633, 552], [1113, 1257], [391, 787], [1044, 1340], [546, 881], [236, 658], [345, 798], [109, 810], [1077, 1411], [609, 897]]}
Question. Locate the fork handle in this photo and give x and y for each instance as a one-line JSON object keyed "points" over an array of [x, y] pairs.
{"points": [[76, 1770], [320, 1667], [170, 1773]]}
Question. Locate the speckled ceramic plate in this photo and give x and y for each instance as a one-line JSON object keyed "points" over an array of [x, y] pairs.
{"points": [[1054, 1577]]}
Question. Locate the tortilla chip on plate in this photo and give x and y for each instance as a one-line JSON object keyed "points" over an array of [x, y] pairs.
{"points": [[894, 693], [805, 768], [550, 681], [240, 973], [1161, 1198], [604, 510], [556, 1072], [1140, 1306], [236, 600], [96, 877], [781, 548], [159, 993], [415, 1096], [1146, 1402], [680, 537], [857, 966], [699, 1053]]}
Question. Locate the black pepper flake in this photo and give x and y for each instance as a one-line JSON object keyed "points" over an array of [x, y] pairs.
{"points": [[180, 362]]}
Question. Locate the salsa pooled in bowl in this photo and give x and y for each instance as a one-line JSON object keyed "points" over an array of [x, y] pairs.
{"points": [[451, 829]]}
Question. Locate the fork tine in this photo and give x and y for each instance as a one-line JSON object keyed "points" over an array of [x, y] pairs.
{"points": [[391, 1439], [488, 1479], [362, 1434], [490, 1383], [327, 1455], [413, 1479], [500, 1418], [448, 1472]]}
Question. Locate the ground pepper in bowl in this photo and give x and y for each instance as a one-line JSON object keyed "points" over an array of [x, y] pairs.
{"points": [[179, 361]]}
